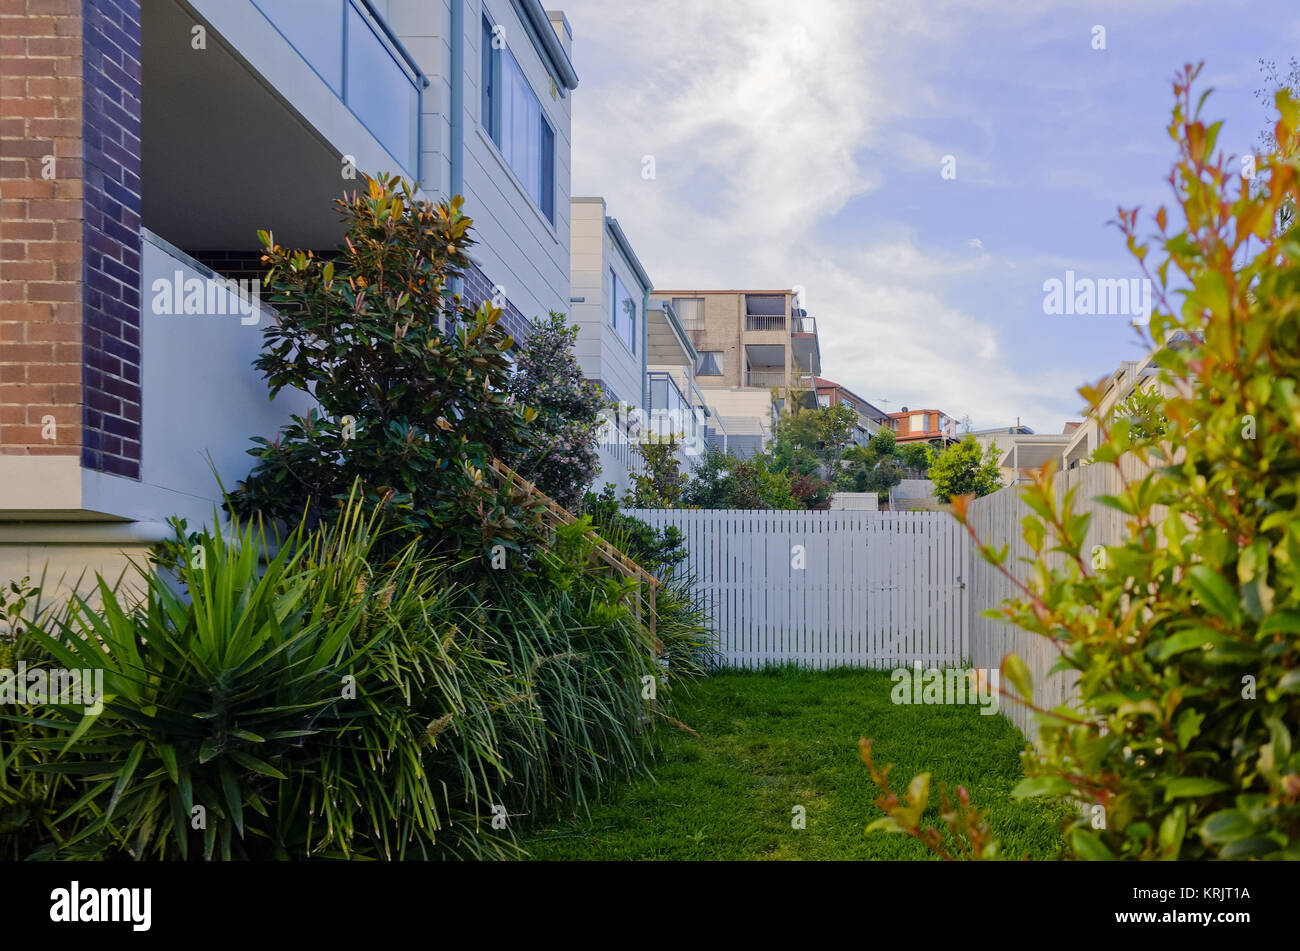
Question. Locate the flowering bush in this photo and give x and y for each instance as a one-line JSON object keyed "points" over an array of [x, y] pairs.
{"points": [[561, 457]]}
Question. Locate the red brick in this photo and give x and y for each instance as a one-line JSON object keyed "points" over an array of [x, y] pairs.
{"points": [[54, 373], [28, 353]]}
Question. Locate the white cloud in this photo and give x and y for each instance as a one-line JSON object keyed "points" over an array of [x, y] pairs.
{"points": [[758, 115]]}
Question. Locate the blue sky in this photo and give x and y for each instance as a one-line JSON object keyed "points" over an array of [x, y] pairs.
{"points": [[802, 144]]}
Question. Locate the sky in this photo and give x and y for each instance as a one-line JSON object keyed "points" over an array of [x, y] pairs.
{"points": [[805, 143]]}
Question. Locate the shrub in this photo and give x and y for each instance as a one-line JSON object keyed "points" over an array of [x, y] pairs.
{"points": [[660, 485], [311, 706], [723, 480], [657, 551]]}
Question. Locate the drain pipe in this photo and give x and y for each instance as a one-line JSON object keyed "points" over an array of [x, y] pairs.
{"points": [[456, 141]]}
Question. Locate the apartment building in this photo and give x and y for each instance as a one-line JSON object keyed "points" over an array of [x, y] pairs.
{"points": [[931, 426], [750, 343], [145, 142], [870, 419]]}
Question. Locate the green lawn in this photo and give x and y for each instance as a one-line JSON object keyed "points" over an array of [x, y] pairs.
{"points": [[770, 741]]}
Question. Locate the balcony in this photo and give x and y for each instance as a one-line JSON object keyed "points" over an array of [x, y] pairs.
{"points": [[804, 342], [766, 378], [673, 413], [350, 47], [249, 134]]}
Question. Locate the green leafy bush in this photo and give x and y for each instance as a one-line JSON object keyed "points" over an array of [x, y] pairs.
{"points": [[660, 484], [311, 706], [726, 481], [561, 457]]}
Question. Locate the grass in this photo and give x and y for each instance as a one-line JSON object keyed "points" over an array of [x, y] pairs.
{"points": [[772, 740]]}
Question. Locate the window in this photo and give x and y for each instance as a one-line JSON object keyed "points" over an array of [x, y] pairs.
{"points": [[690, 310], [823, 400], [489, 79], [512, 116], [622, 311], [710, 363]]}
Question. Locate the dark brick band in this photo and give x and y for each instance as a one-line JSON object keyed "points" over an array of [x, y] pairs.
{"points": [[111, 385]]}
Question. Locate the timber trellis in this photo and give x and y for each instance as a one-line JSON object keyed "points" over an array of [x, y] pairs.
{"points": [[828, 589]]}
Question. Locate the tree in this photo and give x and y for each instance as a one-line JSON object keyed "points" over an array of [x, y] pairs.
{"points": [[916, 456], [726, 481], [810, 437], [873, 467], [561, 459], [964, 469]]}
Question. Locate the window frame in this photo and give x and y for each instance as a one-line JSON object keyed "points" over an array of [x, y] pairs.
{"points": [[492, 97], [722, 363], [615, 283]]}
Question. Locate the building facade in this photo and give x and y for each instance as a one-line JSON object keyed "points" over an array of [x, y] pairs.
{"points": [[145, 144], [870, 419]]}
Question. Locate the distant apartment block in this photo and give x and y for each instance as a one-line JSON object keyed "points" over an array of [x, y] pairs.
{"points": [[749, 343]]}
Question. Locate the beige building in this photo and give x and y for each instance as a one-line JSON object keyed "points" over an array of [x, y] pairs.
{"points": [[1021, 450], [748, 344]]}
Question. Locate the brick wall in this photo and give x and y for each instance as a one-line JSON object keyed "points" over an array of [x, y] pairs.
{"points": [[243, 264], [40, 226], [111, 237], [477, 288]]}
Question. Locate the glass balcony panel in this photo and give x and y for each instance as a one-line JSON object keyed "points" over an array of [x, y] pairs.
{"points": [[315, 28], [380, 92]]}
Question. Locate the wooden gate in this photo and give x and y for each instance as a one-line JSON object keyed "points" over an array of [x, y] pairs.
{"points": [[828, 589]]}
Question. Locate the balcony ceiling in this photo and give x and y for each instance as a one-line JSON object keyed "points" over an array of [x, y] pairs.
{"points": [[763, 356], [223, 155]]}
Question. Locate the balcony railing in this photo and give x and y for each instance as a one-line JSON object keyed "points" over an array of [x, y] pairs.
{"points": [[803, 325], [765, 378], [670, 411], [352, 49], [765, 322]]}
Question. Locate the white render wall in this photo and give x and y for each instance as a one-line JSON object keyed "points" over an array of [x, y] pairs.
{"points": [[601, 352], [203, 402]]}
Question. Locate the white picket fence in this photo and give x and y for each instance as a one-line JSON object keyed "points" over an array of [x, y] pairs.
{"points": [[996, 519], [828, 589]]}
